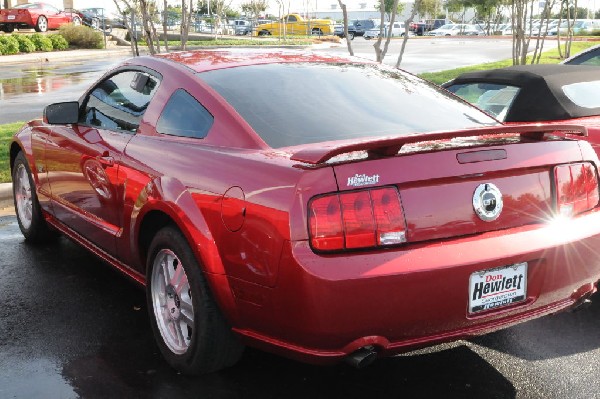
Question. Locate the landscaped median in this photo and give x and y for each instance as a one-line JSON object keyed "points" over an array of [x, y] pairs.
{"points": [[69, 36]]}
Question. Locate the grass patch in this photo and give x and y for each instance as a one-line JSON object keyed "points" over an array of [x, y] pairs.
{"points": [[548, 57], [6, 133]]}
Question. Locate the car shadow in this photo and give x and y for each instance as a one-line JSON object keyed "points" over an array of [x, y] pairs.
{"points": [[549, 337]]}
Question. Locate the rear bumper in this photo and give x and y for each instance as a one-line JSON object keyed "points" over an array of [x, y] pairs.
{"points": [[326, 307]]}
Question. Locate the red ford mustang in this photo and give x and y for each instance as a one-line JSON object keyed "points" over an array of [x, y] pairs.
{"points": [[258, 206], [40, 16]]}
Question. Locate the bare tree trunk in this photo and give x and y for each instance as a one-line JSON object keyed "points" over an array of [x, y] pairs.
{"points": [[345, 13], [165, 5], [539, 47], [146, 26], [391, 27], [377, 45], [407, 23], [183, 26], [132, 39], [570, 37], [560, 13]]}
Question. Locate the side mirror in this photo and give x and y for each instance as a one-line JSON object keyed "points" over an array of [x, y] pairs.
{"points": [[62, 113]]}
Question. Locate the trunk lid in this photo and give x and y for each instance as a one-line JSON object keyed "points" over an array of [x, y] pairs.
{"points": [[441, 182]]}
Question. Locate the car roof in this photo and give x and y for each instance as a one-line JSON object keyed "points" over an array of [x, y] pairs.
{"points": [[541, 96], [213, 59]]}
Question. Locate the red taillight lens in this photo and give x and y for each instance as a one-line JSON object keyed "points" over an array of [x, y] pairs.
{"points": [[325, 222], [576, 188], [357, 219]]}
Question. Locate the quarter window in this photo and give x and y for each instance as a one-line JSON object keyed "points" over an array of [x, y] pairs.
{"points": [[495, 99], [184, 116], [119, 102], [584, 94]]}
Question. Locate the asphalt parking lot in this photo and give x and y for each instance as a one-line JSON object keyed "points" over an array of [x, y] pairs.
{"points": [[73, 327]]}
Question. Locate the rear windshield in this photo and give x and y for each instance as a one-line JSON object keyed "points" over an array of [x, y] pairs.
{"points": [[293, 104]]}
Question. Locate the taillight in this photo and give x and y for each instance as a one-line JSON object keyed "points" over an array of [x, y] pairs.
{"points": [[576, 188], [356, 219]]}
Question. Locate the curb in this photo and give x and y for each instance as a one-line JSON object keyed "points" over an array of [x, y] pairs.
{"points": [[63, 55], [5, 195]]}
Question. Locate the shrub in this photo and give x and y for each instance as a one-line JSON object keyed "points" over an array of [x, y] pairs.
{"points": [[42, 43], [9, 45], [58, 42], [82, 36], [25, 43]]}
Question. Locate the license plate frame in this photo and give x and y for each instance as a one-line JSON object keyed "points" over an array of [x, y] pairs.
{"points": [[12, 17], [497, 288]]}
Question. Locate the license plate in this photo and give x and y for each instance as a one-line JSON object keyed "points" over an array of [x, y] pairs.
{"points": [[495, 288], [11, 17]]}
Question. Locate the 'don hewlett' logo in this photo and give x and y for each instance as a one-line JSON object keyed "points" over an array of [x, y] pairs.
{"points": [[362, 180]]}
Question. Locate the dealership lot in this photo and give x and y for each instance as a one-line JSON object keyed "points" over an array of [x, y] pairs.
{"points": [[74, 328]]}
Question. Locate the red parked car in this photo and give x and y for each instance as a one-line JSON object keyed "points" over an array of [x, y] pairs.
{"points": [[258, 206], [39, 16]]}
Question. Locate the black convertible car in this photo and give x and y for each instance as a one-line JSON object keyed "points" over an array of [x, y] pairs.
{"points": [[533, 93], [591, 56]]}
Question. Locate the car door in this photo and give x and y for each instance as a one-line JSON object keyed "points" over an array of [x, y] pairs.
{"points": [[83, 161], [54, 16]]}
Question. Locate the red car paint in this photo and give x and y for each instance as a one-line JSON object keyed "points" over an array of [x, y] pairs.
{"points": [[243, 208]]}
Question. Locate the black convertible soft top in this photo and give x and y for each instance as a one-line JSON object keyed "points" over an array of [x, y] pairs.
{"points": [[540, 97]]}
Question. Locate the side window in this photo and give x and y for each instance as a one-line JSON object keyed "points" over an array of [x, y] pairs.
{"points": [[291, 18], [119, 102], [184, 116]]}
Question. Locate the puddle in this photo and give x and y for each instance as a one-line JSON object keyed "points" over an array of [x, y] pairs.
{"points": [[34, 378], [42, 77]]}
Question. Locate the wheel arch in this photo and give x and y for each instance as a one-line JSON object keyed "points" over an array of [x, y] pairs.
{"points": [[23, 144], [184, 215]]}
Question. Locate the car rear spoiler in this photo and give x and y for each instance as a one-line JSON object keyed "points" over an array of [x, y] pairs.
{"points": [[389, 146]]}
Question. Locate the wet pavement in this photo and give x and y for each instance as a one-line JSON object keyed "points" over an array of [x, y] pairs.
{"points": [[72, 327], [25, 89]]}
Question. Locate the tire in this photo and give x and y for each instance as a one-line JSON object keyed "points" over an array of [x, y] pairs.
{"points": [[27, 207], [316, 32], [264, 33], [188, 327], [76, 21], [351, 35], [42, 24], [95, 24], [8, 28]]}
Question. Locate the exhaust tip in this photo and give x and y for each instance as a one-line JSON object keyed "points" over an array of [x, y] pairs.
{"points": [[581, 305], [361, 357]]}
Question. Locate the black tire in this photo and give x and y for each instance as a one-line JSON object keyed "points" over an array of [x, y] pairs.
{"points": [[8, 28], [351, 35], [264, 33], [188, 308], [76, 21], [316, 32], [42, 24], [27, 207]]}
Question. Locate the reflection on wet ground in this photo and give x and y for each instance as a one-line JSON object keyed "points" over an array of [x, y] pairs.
{"points": [[25, 89], [44, 77]]}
